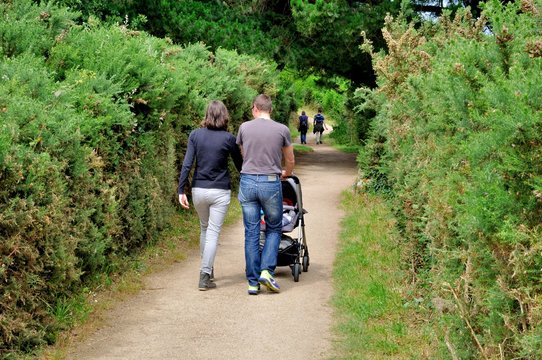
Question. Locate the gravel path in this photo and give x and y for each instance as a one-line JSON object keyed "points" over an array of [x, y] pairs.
{"points": [[171, 319]]}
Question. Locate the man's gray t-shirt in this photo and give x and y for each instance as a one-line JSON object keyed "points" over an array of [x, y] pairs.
{"points": [[262, 141]]}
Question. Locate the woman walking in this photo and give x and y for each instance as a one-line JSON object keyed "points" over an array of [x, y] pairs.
{"points": [[210, 146]]}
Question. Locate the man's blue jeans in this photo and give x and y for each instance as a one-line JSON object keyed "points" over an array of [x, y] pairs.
{"points": [[256, 193]]}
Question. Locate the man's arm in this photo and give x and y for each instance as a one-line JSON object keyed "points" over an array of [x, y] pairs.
{"points": [[289, 160]]}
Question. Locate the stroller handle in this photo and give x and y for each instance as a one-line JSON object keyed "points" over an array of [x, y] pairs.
{"points": [[293, 177]]}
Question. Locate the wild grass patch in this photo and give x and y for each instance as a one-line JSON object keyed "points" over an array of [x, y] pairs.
{"points": [[351, 149], [374, 320], [302, 149]]}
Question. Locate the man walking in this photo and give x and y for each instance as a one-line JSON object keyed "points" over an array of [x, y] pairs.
{"points": [[264, 143], [319, 126], [303, 127]]}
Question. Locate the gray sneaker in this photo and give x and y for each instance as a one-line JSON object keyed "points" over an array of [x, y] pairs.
{"points": [[205, 282]]}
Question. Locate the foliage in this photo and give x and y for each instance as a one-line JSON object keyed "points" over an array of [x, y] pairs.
{"points": [[234, 26], [330, 33], [314, 37], [94, 120], [318, 41], [331, 95], [457, 141]]}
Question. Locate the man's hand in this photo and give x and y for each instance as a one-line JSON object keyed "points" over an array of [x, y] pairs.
{"points": [[184, 201], [283, 175]]}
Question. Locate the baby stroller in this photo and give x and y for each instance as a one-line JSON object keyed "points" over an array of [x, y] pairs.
{"points": [[293, 252]]}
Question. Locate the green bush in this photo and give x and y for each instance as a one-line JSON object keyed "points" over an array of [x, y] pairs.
{"points": [[457, 138], [28, 28], [94, 120]]}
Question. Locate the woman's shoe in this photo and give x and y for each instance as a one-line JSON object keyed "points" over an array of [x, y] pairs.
{"points": [[205, 282]]}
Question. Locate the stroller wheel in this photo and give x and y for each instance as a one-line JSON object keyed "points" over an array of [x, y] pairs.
{"points": [[296, 270], [306, 263]]}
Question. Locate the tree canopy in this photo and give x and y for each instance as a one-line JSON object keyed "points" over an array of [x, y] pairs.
{"points": [[311, 36]]}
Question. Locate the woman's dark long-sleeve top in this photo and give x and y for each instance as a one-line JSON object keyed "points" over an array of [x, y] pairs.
{"points": [[210, 149]]}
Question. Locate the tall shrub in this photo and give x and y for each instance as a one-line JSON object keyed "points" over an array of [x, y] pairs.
{"points": [[458, 139], [94, 120]]}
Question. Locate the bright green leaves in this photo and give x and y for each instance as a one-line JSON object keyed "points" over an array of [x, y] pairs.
{"points": [[458, 138], [93, 122]]}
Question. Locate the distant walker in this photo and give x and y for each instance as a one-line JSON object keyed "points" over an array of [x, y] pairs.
{"points": [[303, 127], [319, 126]]}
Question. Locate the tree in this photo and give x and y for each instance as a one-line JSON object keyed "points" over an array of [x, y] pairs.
{"points": [[321, 36]]}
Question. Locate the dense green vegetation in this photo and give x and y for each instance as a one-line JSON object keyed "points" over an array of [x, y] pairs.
{"points": [[319, 36], [456, 146], [96, 102], [315, 44], [93, 120]]}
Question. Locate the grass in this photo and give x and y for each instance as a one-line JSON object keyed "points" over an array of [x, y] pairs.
{"points": [[302, 149], [373, 319], [352, 149]]}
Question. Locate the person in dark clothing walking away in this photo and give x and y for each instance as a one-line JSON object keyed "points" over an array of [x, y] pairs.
{"points": [[319, 126], [303, 127], [210, 146], [264, 143]]}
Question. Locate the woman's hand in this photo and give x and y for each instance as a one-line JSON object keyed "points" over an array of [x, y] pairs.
{"points": [[184, 201]]}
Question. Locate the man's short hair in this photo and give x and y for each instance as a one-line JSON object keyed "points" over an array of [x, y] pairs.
{"points": [[263, 103]]}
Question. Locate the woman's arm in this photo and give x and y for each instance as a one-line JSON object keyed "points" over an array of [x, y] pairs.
{"points": [[185, 171], [236, 155]]}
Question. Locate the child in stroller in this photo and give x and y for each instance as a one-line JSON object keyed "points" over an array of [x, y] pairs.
{"points": [[293, 252]]}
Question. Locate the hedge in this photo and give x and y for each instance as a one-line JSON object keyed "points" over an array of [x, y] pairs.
{"points": [[456, 145], [94, 120]]}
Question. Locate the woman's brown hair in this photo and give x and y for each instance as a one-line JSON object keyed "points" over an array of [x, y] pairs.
{"points": [[216, 116]]}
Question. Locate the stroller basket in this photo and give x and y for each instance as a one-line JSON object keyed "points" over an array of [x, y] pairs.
{"points": [[288, 251]]}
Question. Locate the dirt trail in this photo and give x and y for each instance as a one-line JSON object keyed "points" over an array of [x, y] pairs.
{"points": [[171, 319]]}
